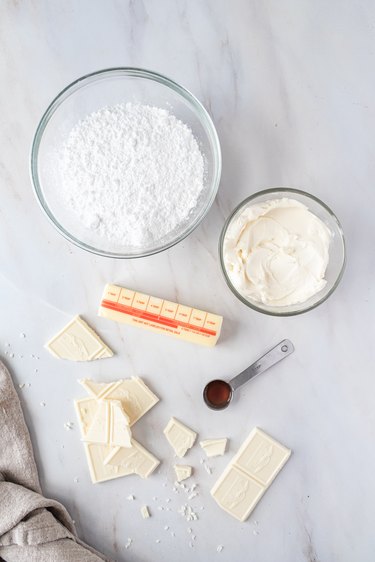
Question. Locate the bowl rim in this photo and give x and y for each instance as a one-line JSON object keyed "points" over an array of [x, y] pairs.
{"points": [[137, 72], [269, 191]]}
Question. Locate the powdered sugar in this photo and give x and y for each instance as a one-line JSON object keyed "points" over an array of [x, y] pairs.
{"points": [[132, 173]]}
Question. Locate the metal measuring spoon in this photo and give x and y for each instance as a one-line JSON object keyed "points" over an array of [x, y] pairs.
{"points": [[217, 393]]}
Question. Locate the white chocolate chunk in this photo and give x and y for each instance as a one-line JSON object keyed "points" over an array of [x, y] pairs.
{"points": [[214, 447], [135, 396], [110, 425], [183, 471], [134, 460], [96, 453], [249, 474], [179, 436], [145, 512], [85, 409], [99, 430], [96, 388], [78, 342], [161, 316], [120, 433]]}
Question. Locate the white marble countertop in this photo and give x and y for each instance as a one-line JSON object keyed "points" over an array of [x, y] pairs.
{"points": [[290, 87]]}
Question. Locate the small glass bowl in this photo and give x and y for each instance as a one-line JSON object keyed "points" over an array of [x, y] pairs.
{"points": [[337, 256], [90, 93]]}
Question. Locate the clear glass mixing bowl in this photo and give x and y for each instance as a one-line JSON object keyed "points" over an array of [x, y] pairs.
{"points": [[90, 93], [337, 257]]}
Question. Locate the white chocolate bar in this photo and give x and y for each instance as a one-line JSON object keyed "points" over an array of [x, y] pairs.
{"points": [[78, 342], [158, 315], [179, 436], [261, 456], [249, 474]]}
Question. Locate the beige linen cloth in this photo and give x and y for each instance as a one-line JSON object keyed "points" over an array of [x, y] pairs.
{"points": [[32, 527]]}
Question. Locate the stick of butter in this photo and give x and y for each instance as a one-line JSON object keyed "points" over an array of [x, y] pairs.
{"points": [[249, 474], [78, 342], [158, 315]]}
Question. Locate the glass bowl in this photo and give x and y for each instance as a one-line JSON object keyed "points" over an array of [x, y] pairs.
{"points": [[336, 265], [91, 93]]}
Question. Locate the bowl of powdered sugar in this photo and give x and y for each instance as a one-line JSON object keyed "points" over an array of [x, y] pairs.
{"points": [[125, 162]]}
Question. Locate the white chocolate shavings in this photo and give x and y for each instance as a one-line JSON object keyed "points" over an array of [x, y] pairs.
{"points": [[145, 512], [69, 425], [76, 480], [131, 497], [42, 403], [208, 469], [128, 543], [22, 335], [219, 548], [188, 512]]}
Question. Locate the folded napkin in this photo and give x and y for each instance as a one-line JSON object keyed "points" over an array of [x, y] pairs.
{"points": [[32, 527]]}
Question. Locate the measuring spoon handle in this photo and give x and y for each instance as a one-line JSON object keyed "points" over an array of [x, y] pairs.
{"points": [[276, 354]]}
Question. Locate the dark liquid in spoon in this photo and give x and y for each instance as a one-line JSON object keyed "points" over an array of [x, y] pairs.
{"points": [[218, 393]]}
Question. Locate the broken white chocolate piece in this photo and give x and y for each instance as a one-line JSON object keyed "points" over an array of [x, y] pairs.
{"points": [[119, 434], [145, 512], [183, 471], [214, 447], [135, 396], [85, 409], [134, 460], [110, 425], [249, 474], [95, 388], [179, 436], [98, 432], [78, 342], [96, 453]]}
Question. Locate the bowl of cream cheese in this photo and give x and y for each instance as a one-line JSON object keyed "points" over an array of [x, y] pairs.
{"points": [[282, 251]]}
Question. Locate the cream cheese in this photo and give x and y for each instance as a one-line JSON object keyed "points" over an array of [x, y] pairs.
{"points": [[277, 252]]}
